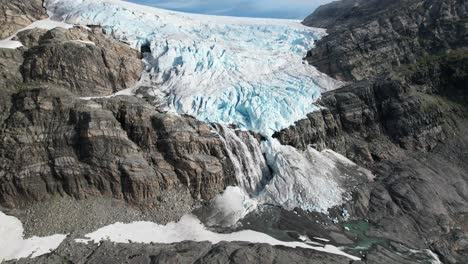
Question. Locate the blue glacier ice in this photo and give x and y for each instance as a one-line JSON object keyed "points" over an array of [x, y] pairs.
{"points": [[242, 71]]}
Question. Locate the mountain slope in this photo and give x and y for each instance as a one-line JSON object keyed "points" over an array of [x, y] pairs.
{"points": [[87, 143], [405, 118], [376, 36]]}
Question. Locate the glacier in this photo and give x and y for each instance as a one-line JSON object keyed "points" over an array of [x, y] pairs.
{"points": [[246, 72], [269, 173], [243, 71]]}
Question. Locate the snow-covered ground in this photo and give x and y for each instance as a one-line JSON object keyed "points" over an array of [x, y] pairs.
{"points": [[189, 228], [242, 71], [14, 246], [9, 43]]}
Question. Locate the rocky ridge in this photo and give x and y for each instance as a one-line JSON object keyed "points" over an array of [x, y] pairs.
{"points": [[368, 37], [15, 15], [405, 117]]}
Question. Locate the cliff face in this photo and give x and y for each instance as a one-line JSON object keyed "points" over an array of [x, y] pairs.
{"points": [[414, 108], [54, 143], [369, 37], [413, 136], [405, 117], [15, 15], [83, 61]]}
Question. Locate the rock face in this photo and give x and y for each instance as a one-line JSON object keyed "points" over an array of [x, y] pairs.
{"points": [[10, 68], [411, 131], [186, 252], [405, 117], [55, 144], [368, 37], [17, 14], [86, 62]]}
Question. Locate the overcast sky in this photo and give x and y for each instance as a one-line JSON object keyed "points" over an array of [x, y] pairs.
{"points": [[296, 9]]}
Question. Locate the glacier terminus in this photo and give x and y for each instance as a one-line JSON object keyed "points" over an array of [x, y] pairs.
{"points": [[243, 71]]}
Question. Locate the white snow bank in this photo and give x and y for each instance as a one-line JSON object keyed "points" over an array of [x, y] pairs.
{"points": [[10, 44], [189, 228], [85, 42], [14, 246], [48, 24]]}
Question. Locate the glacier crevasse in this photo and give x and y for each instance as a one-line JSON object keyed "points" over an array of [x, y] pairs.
{"points": [[243, 71]]}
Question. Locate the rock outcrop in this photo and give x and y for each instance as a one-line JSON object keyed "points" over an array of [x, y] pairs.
{"points": [[404, 116], [186, 252], [15, 15], [55, 144], [84, 61], [411, 131], [369, 37]]}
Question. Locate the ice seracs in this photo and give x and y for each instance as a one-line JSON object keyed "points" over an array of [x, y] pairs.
{"points": [[242, 71]]}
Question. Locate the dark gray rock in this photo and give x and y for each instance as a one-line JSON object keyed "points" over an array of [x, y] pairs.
{"points": [[10, 65], [406, 119], [185, 252], [86, 62], [17, 14], [54, 144], [369, 37]]}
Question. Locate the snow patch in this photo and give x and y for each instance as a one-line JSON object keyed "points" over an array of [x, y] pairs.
{"points": [[190, 228], [322, 239], [85, 42], [48, 24], [10, 44], [14, 246]]}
